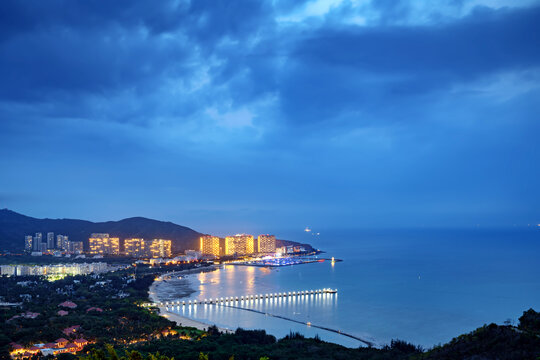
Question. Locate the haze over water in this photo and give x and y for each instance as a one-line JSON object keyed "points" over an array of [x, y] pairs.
{"points": [[423, 286]]}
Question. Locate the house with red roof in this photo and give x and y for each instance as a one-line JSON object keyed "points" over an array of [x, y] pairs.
{"points": [[68, 304], [61, 342], [62, 313], [81, 342], [94, 309], [71, 330], [72, 347]]}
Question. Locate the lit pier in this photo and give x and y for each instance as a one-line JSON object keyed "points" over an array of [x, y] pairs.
{"points": [[237, 299]]}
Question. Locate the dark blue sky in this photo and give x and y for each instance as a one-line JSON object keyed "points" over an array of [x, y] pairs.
{"points": [[231, 116]]}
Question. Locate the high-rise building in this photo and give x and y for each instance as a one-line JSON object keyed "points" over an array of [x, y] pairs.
{"points": [[60, 242], [50, 240], [240, 244], [65, 243], [135, 247], [210, 245], [36, 242], [266, 243], [28, 243], [102, 244], [148, 248], [159, 248], [74, 247]]}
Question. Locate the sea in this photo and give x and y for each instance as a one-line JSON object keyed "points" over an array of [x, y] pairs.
{"points": [[423, 286]]}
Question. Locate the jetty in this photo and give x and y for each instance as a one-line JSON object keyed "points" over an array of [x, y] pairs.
{"points": [[237, 299]]}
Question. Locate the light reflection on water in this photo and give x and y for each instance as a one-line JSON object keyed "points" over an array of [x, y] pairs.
{"points": [[422, 286], [232, 281]]}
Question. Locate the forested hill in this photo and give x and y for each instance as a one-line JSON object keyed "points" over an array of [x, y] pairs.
{"points": [[14, 226]]}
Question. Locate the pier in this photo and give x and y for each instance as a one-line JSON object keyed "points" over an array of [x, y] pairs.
{"points": [[237, 299]]}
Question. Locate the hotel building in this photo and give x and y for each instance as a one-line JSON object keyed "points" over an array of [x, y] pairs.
{"points": [[210, 245], [160, 248], [102, 244], [134, 247], [36, 242], [266, 243], [148, 248], [50, 240], [240, 244], [28, 243]]}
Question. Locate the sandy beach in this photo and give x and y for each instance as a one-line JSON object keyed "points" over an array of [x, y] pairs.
{"points": [[181, 320]]}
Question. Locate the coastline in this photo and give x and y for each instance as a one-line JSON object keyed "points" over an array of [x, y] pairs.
{"points": [[172, 316]]}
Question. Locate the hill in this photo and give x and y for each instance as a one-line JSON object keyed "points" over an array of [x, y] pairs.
{"points": [[14, 226]]}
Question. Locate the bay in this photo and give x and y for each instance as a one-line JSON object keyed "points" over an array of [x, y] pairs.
{"points": [[424, 286]]}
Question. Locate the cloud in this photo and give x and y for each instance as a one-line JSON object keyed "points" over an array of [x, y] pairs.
{"points": [[349, 108]]}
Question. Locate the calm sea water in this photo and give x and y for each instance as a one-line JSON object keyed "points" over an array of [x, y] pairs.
{"points": [[422, 286]]}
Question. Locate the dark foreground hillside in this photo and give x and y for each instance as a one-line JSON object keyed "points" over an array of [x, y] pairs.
{"points": [[490, 342]]}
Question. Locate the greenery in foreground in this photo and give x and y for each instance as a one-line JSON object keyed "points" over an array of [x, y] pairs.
{"points": [[125, 330], [119, 294], [488, 342]]}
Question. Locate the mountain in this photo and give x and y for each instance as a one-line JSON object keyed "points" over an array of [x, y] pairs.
{"points": [[14, 227]]}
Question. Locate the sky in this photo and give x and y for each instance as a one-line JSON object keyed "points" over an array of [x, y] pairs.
{"points": [[250, 116]]}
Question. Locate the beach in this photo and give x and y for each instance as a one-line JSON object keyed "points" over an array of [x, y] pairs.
{"points": [[179, 289]]}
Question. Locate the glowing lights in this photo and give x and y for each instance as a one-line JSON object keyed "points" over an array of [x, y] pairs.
{"points": [[101, 244], [241, 244], [210, 245]]}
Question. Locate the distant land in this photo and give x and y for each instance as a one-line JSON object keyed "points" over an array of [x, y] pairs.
{"points": [[14, 226]]}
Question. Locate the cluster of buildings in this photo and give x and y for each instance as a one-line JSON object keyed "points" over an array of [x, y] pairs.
{"points": [[240, 244], [103, 244], [37, 245], [54, 270], [60, 346]]}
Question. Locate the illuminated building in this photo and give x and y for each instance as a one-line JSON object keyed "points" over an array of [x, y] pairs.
{"points": [[266, 243], [148, 248], [60, 241], [210, 245], [134, 247], [28, 243], [50, 240], [74, 247], [240, 244], [36, 242], [159, 248], [102, 244]]}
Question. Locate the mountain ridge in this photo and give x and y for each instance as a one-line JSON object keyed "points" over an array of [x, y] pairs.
{"points": [[14, 226]]}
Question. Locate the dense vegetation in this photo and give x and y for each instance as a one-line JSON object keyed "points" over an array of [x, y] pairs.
{"points": [[488, 342], [117, 294]]}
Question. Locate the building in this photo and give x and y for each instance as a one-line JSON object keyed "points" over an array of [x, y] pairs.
{"points": [[210, 245], [192, 255], [148, 248], [240, 244], [50, 241], [54, 269], [102, 244], [134, 247], [36, 242], [60, 242], [74, 247], [159, 248], [28, 243], [266, 243]]}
